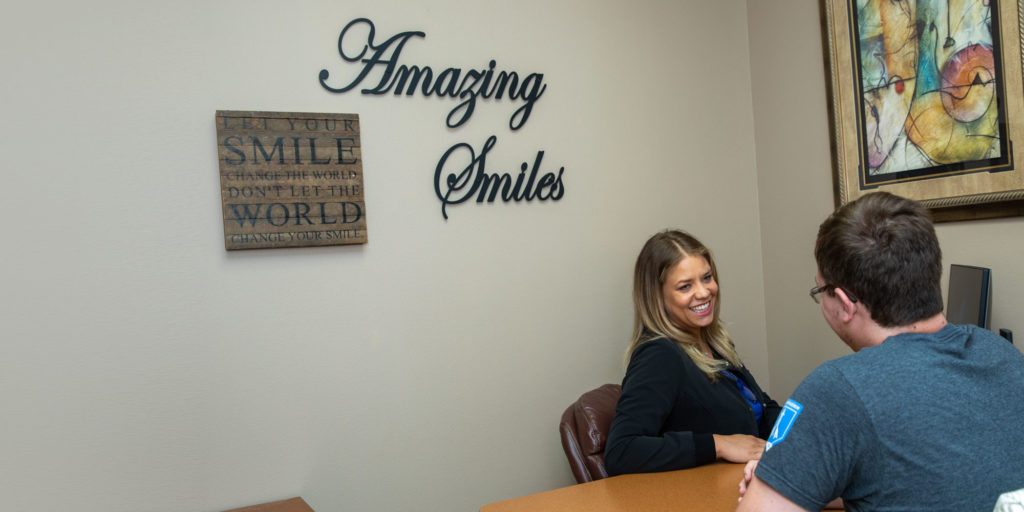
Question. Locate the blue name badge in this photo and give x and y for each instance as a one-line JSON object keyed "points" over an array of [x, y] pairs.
{"points": [[785, 422]]}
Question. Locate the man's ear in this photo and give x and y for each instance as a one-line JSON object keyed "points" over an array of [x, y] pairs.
{"points": [[849, 307]]}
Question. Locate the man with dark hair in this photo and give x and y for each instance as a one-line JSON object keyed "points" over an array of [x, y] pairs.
{"points": [[924, 415]]}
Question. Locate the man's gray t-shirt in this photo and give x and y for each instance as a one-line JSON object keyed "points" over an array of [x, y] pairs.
{"points": [[920, 422]]}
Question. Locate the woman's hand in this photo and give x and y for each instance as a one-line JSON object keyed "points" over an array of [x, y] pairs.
{"points": [[738, 447]]}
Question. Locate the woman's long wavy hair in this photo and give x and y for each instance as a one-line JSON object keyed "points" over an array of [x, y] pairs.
{"points": [[659, 256]]}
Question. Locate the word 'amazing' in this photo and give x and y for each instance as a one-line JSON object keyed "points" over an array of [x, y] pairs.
{"points": [[451, 82]]}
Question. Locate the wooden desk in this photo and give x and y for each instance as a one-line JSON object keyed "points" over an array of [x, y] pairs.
{"points": [[292, 505], [713, 488]]}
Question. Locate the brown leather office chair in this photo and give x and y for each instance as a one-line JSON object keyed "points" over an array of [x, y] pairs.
{"points": [[584, 430]]}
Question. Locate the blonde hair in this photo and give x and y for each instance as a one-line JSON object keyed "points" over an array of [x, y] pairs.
{"points": [[650, 319]]}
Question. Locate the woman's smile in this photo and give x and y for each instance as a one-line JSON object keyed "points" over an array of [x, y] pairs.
{"points": [[689, 292]]}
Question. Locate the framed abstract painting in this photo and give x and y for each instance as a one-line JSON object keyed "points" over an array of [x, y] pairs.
{"points": [[927, 102]]}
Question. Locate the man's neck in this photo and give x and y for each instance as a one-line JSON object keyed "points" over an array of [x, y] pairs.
{"points": [[928, 325]]}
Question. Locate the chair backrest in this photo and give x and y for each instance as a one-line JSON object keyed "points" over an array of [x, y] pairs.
{"points": [[584, 430]]}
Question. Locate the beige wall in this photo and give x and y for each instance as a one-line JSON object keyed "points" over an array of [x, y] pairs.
{"points": [[794, 181], [795, 195], [146, 369]]}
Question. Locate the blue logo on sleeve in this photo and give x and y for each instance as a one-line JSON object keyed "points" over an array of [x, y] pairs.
{"points": [[785, 422]]}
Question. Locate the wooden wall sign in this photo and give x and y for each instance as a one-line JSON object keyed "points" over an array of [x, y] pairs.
{"points": [[290, 179]]}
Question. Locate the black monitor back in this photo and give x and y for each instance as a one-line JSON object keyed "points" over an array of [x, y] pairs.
{"points": [[969, 296]]}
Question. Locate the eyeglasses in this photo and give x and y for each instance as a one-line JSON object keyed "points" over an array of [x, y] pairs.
{"points": [[825, 287]]}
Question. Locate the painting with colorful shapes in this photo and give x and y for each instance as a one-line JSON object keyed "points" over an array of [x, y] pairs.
{"points": [[926, 100]]}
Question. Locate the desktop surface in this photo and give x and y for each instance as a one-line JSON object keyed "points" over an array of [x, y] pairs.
{"points": [[714, 487]]}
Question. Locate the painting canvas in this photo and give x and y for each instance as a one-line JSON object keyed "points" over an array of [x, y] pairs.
{"points": [[926, 99]]}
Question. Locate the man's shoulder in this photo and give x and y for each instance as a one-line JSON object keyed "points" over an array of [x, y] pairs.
{"points": [[953, 344], [842, 370], [991, 342], [846, 383], [826, 386]]}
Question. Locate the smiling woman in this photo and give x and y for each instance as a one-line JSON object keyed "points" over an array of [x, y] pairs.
{"points": [[687, 400], [689, 291]]}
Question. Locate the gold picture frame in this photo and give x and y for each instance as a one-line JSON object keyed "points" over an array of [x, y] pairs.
{"points": [[927, 102]]}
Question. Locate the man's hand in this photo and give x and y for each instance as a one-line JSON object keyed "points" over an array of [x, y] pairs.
{"points": [[748, 473], [767, 499]]}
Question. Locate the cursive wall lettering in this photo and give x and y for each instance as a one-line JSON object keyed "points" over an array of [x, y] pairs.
{"points": [[472, 178], [451, 82], [461, 174]]}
